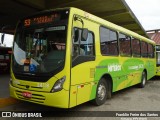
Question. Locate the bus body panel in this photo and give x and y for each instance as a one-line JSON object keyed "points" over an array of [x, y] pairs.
{"points": [[124, 71], [82, 75]]}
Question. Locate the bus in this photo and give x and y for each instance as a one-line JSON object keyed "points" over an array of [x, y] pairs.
{"points": [[65, 57], [158, 60], [5, 59]]}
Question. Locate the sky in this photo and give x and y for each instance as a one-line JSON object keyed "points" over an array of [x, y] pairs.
{"points": [[147, 12]]}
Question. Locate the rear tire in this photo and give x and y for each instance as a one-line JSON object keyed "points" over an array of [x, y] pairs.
{"points": [[101, 92], [143, 80]]}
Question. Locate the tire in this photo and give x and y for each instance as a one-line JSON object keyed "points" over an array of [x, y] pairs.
{"points": [[101, 92], [143, 80]]}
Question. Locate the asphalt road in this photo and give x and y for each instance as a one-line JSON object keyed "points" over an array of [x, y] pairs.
{"points": [[4, 85], [130, 99]]}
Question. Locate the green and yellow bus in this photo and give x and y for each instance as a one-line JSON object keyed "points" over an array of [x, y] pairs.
{"points": [[65, 57]]}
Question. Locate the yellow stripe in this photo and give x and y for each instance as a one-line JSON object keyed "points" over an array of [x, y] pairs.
{"points": [[7, 101]]}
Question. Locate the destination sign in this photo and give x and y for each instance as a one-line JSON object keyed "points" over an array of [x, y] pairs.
{"points": [[41, 20], [44, 18]]}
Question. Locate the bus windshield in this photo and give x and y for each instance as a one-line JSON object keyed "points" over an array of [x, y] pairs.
{"points": [[40, 47]]}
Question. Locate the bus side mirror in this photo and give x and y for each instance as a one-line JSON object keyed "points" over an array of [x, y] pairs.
{"points": [[84, 34], [2, 38], [76, 35]]}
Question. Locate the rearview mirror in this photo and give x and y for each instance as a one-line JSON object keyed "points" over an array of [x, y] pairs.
{"points": [[76, 35], [84, 34]]}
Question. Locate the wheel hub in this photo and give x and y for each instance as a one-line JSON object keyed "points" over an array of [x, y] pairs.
{"points": [[101, 91]]}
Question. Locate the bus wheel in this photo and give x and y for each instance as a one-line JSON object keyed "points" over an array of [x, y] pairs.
{"points": [[143, 80], [101, 93]]}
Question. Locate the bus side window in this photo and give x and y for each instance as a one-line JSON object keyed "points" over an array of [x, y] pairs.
{"points": [[150, 51], [82, 48], [144, 49], [89, 45], [109, 42], [125, 45], [136, 49]]}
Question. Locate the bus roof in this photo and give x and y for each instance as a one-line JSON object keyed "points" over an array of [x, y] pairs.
{"points": [[109, 24]]}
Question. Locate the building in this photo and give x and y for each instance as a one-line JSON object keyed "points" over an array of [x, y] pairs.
{"points": [[154, 35]]}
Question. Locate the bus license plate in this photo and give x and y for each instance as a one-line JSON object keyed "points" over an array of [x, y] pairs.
{"points": [[27, 94]]}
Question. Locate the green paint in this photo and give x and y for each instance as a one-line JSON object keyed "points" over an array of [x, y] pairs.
{"points": [[123, 71]]}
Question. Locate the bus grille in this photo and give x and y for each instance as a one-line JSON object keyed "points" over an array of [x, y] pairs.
{"points": [[32, 78], [35, 97]]}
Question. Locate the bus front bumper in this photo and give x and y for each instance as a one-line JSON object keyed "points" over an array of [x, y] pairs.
{"points": [[57, 99]]}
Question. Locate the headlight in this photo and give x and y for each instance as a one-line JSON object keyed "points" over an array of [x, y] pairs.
{"points": [[58, 84]]}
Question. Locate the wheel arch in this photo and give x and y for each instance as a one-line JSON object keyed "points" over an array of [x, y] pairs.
{"points": [[109, 80], [145, 70]]}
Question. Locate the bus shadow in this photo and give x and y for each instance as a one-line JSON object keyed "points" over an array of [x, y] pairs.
{"points": [[156, 78]]}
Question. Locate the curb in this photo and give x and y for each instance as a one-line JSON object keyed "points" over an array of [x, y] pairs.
{"points": [[7, 101]]}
